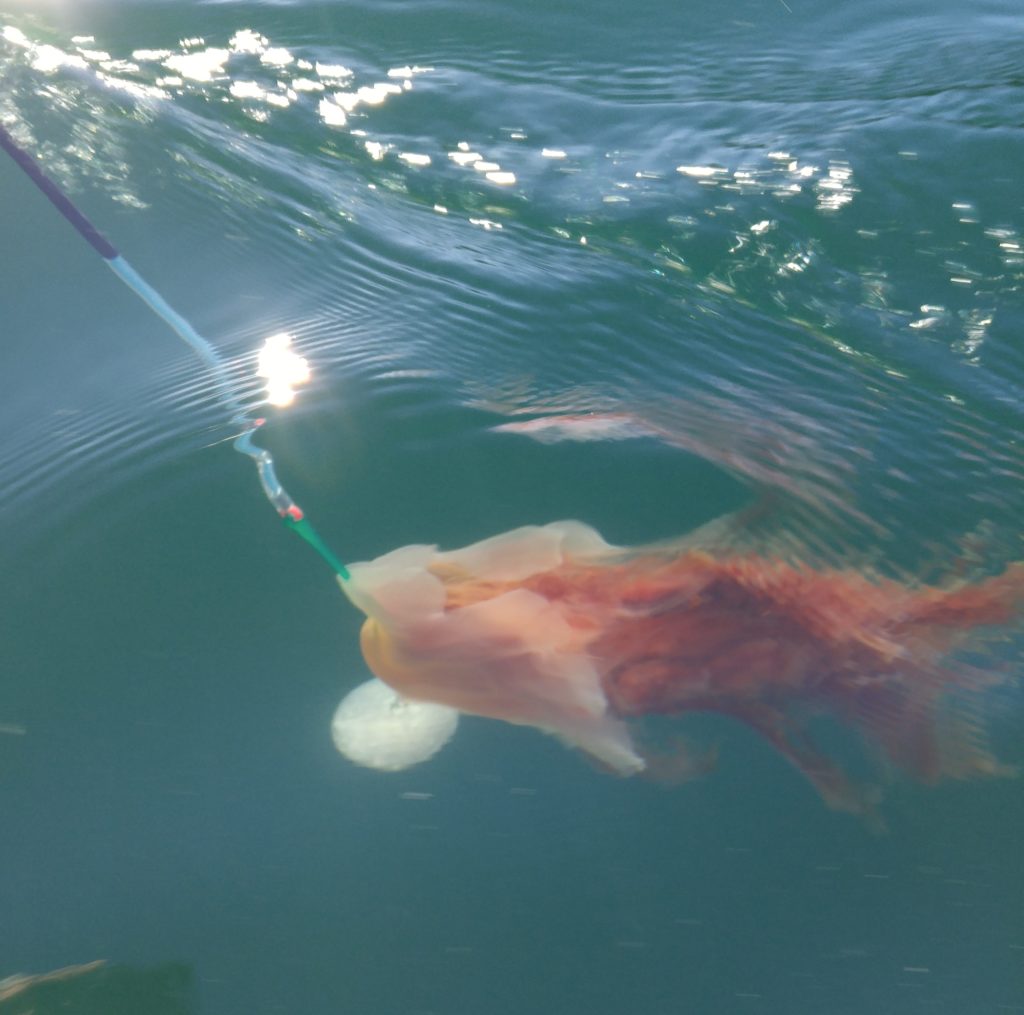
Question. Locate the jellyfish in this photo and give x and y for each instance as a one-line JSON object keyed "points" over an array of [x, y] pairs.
{"points": [[553, 627]]}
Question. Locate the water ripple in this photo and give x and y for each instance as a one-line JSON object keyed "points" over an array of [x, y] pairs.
{"points": [[624, 235]]}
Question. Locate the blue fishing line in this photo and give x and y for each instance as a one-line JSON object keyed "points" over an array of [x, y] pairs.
{"points": [[289, 511]]}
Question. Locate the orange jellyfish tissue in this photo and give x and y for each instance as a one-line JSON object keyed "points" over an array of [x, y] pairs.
{"points": [[555, 628]]}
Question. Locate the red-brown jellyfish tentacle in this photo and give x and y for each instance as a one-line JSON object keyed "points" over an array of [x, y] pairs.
{"points": [[764, 641], [922, 709], [838, 790]]}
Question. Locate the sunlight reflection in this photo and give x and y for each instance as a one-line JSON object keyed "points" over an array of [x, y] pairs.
{"points": [[203, 65], [333, 72], [465, 156], [283, 369], [277, 56], [836, 189], [266, 79], [247, 41], [701, 172], [414, 158], [331, 113]]}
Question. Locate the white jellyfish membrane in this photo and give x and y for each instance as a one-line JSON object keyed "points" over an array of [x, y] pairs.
{"points": [[376, 727]]}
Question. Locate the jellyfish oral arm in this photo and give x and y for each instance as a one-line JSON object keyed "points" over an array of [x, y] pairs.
{"points": [[503, 660]]}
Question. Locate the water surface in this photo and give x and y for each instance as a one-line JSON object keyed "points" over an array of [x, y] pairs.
{"points": [[784, 235]]}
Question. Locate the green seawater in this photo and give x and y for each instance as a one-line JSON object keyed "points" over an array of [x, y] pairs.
{"points": [[787, 237]]}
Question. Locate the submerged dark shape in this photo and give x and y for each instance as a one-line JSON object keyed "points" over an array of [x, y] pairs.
{"points": [[98, 988], [553, 627]]}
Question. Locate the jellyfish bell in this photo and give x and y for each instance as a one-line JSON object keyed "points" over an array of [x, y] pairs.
{"points": [[463, 628], [376, 727]]}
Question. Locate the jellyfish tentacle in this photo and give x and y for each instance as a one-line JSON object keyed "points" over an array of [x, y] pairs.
{"points": [[832, 784]]}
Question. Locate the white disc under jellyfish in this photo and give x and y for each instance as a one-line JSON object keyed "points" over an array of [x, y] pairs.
{"points": [[376, 727]]}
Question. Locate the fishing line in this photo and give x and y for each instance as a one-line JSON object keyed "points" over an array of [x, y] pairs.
{"points": [[291, 514]]}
